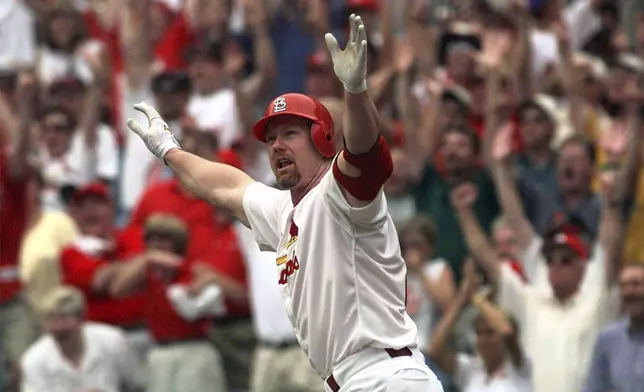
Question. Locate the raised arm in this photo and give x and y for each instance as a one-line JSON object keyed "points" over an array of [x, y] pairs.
{"points": [[365, 163], [505, 182], [217, 183], [439, 350], [463, 197]]}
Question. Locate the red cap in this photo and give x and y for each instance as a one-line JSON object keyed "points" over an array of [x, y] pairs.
{"points": [[370, 4], [318, 60], [573, 242], [95, 189]]}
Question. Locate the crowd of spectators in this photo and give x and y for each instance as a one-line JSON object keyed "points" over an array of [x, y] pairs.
{"points": [[518, 191]]}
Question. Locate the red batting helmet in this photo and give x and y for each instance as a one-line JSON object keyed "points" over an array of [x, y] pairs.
{"points": [[306, 107]]}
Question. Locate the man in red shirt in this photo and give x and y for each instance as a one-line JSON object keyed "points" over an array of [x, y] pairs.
{"points": [[92, 260], [18, 326], [177, 307], [213, 242]]}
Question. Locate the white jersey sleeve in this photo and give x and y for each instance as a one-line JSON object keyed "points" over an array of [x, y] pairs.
{"points": [[262, 206], [372, 215]]}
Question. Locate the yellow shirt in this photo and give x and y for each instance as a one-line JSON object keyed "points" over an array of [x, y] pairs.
{"points": [[634, 244], [39, 252]]}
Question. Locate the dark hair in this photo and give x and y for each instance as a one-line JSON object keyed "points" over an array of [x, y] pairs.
{"points": [[57, 109], [585, 143], [79, 33], [464, 129], [171, 82], [424, 225]]}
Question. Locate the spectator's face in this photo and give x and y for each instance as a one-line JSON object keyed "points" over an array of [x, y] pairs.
{"points": [[460, 64], [574, 169], [293, 157], [62, 326], [505, 242], [617, 81], [56, 132], [95, 216], [414, 241], [70, 99], [536, 128], [171, 105], [196, 142], [398, 183], [489, 344], [457, 151], [565, 271], [62, 29], [451, 112], [632, 289], [205, 75], [321, 83], [591, 87], [157, 241]]}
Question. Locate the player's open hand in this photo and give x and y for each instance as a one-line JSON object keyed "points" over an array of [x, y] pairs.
{"points": [[350, 64], [156, 136]]}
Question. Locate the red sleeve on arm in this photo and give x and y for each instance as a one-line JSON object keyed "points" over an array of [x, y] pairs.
{"points": [[375, 168], [78, 269], [171, 48]]}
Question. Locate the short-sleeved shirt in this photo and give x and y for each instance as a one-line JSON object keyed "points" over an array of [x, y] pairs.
{"points": [[433, 199], [339, 268], [471, 376]]}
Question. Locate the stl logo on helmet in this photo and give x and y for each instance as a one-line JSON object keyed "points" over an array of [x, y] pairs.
{"points": [[279, 105], [290, 264]]}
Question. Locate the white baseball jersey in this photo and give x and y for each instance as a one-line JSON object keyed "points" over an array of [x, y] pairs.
{"points": [[339, 268]]}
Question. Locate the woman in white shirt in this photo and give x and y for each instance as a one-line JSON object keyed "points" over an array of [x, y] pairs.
{"points": [[499, 364]]}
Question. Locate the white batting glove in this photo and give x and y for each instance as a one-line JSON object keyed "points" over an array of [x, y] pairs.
{"points": [[350, 64], [157, 136]]}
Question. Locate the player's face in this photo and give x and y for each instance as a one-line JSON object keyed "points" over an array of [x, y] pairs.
{"points": [[632, 289], [292, 155], [505, 242]]}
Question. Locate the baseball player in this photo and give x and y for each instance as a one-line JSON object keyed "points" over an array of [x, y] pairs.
{"points": [[338, 257]]}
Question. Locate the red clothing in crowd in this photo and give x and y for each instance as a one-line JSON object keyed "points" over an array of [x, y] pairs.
{"points": [[163, 322], [212, 241], [13, 217], [223, 255], [79, 270], [168, 198]]}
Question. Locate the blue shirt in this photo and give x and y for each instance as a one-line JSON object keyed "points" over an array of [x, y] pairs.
{"points": [[618, 360]]}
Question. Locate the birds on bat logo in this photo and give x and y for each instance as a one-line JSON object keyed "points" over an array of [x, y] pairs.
{"points": [[290, 265]]}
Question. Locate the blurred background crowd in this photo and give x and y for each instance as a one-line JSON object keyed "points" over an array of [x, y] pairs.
{"points": [[516, 133]]}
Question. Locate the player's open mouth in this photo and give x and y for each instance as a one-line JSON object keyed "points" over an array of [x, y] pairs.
{"points": [[282, 163]]}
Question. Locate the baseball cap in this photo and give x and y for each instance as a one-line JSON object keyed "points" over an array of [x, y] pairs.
{"points": [[544, 103], [63, 300], [630, 62], [171, 82], [597, 66], [97, 189], [319, 61], [362, 4]]}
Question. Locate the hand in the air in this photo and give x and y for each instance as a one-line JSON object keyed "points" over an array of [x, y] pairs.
{"points": [[157, 136], [350, 64]]}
